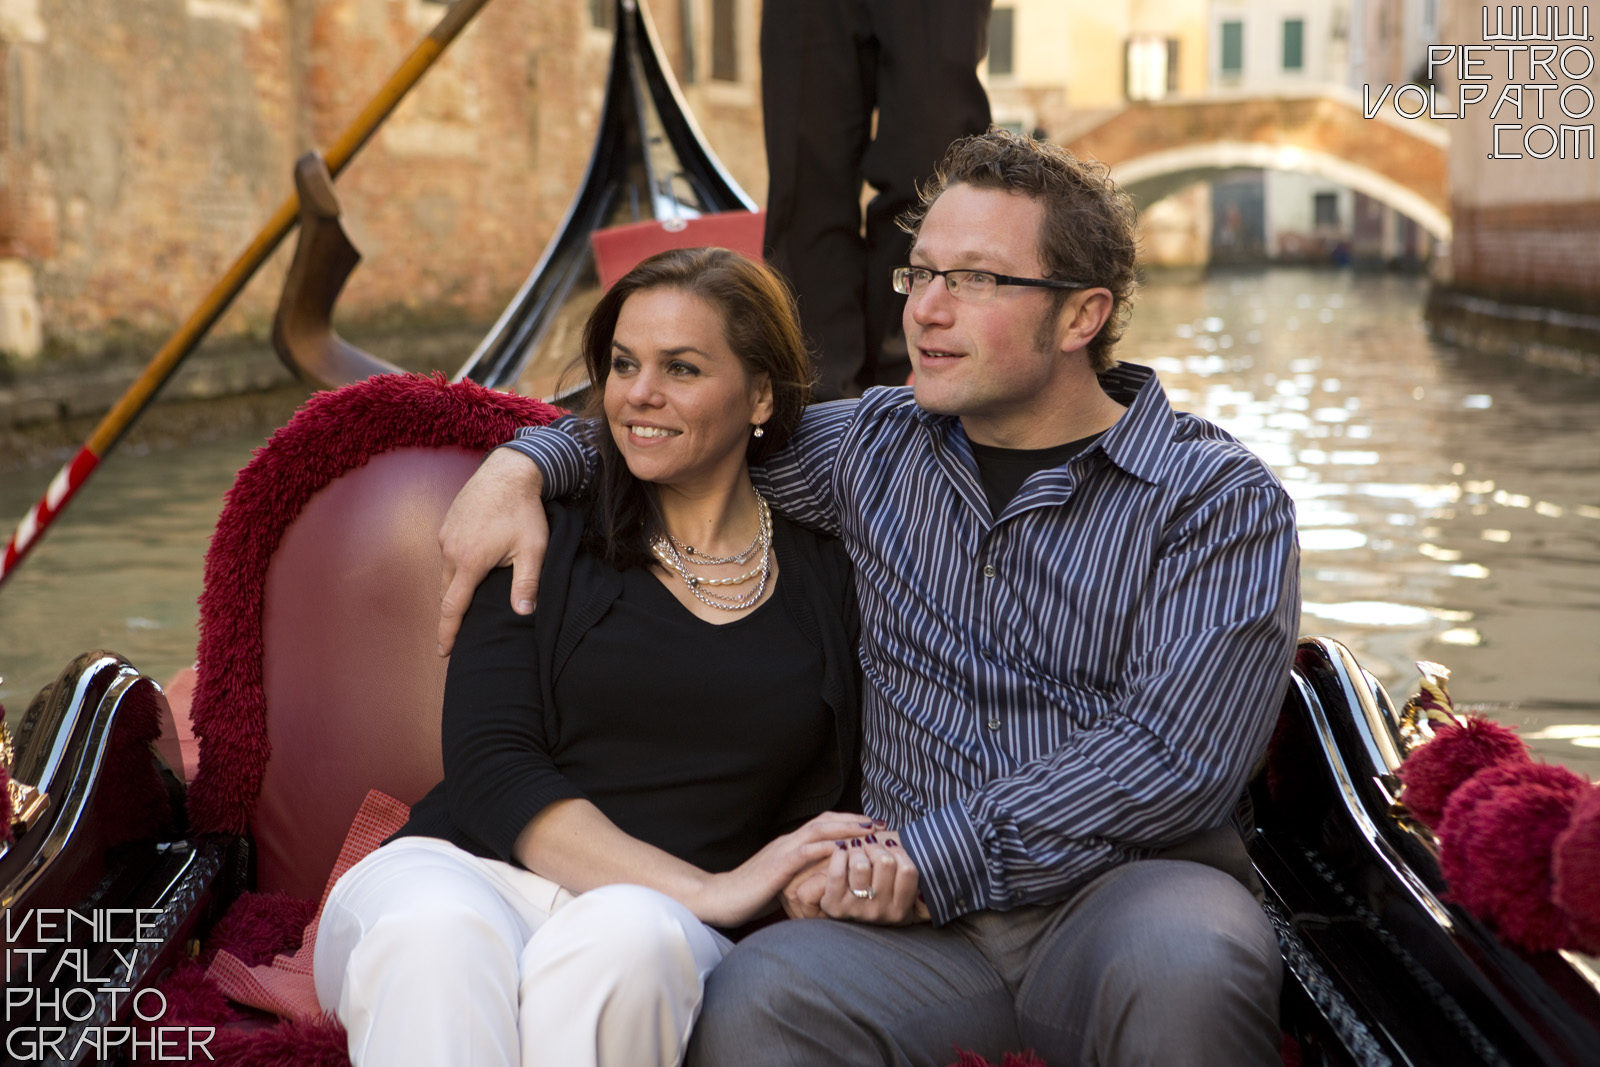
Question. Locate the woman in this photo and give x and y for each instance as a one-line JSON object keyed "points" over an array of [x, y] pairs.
{"points": [[630, 770]]}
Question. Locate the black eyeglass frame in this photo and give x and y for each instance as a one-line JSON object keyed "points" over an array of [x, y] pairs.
{"points": [[904, 271]]}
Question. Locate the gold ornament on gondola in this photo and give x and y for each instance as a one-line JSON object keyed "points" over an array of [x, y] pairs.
{"points": [[27, 803], [1430, 704]]}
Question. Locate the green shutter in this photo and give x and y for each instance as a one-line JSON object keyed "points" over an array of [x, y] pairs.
{"points": [[1232, 47], [1002, 26], [1294, 36]]}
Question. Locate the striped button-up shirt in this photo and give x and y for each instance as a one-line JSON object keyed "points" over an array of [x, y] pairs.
{"points": [[1074, 683]]}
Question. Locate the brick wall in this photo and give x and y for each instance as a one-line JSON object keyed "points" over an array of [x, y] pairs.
{"points": [[1543, 253], [1526, 229], [143, 143]]}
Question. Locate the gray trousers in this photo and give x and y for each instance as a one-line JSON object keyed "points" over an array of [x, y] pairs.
{"points": [[1161, 961]]}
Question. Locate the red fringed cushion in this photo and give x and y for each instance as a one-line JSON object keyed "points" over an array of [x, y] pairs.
{"points": [[261, 931], [291, 1043], [1575, 871], [333, 432], [1456, 753], [191, 1000], [1011, 1059], [1497, 838], [313, 1043], [259, 926]]}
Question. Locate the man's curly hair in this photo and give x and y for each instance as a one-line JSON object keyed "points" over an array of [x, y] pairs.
{"points": [[1088, 229]]}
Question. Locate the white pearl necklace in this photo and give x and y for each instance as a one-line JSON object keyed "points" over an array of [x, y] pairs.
{"points": [[676, 557]]}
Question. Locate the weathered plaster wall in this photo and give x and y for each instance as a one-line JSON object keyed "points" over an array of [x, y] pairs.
{"points": [[1525, 256], [143, 143], [1526, 229]]}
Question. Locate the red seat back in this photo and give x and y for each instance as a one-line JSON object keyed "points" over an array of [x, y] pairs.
{"points": [[621, 248], [319, 676], [350, 668]]}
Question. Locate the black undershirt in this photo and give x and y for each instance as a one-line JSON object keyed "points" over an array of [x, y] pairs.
{"points": [[1003, 470]]}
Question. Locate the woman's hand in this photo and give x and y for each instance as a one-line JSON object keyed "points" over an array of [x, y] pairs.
{"points": [[871, 880], [748, 891]]}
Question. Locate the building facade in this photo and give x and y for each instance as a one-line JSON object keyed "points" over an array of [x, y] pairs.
{"points": [[143, 145], [1389, 47], [1058, 67], [1280, 48], [1525, 186]]}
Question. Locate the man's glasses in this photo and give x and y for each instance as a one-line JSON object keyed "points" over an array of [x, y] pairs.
{"points": [[974, 286]]}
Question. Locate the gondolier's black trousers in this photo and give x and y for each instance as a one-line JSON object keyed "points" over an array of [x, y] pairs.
{"points": [[825, 66]]}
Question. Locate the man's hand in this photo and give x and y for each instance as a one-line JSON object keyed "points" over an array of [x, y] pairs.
{"points": [[747, 891], [867, 879], [802, 897], [496, 519]]}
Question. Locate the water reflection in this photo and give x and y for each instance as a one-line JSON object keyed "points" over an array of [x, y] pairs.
{"points": [[1449, 503], [121, 567]]}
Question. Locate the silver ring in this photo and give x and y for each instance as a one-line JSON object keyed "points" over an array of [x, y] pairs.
{"points": [[864, 894]]}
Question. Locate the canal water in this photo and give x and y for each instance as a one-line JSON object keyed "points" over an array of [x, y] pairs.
{"points": [[1449, 502]]}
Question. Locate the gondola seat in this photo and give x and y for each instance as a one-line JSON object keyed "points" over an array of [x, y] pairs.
{"points": [[318, 680], [318, 674], [318, 684]]}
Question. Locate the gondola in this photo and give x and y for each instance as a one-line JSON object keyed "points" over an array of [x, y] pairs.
{"points": [[651, 183], [172, 837]]}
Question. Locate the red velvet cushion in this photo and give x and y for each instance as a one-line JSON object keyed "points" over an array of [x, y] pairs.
{"points": [[318, 677], [350, 670]]}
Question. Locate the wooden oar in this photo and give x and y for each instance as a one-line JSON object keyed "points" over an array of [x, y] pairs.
{"points": [[138, 395]]}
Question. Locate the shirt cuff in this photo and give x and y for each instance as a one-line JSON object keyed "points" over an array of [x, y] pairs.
{"points": [[951, 873], [562, 460]]}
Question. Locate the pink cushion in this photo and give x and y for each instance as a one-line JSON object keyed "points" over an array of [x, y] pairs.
{"points": [[286, 986]]}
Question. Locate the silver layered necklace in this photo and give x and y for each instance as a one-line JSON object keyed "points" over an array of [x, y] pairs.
{"points": [[678, 557]]}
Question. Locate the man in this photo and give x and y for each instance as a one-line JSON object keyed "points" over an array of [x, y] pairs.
{"points": [[1078, 609], [827, 67]]}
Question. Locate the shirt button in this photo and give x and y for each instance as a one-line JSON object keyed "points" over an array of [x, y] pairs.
{"points": [[988, 570], [961, 903], [994, 724]]}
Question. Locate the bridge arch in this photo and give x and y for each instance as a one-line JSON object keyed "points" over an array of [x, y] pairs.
{"points": [[1150, 177], [1400, 163]]}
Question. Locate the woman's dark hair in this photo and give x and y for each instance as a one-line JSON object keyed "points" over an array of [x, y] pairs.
{"points": [[761, 326]]}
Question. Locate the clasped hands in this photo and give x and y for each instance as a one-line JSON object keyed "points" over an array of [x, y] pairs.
{"points": [[837, 865], [867, 879]]}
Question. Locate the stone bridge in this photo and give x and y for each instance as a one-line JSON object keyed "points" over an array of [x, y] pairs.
{"points": [[1155, 149]]}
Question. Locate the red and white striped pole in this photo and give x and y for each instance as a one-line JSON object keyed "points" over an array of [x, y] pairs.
{"points": [[62, 486]]}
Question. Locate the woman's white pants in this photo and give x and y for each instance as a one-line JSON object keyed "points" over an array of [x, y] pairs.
{"points": [[431, 955]]}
